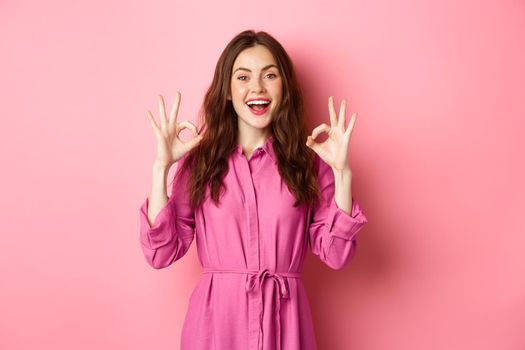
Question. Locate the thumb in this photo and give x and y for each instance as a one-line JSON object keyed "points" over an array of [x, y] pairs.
{"points": [[195, 141], [311, 143]]}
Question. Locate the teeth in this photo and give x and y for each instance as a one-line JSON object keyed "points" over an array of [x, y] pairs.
{"points": [[257, 102]]}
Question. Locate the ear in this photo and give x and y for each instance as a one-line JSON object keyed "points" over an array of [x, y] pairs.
{"points": [[229, 98]]}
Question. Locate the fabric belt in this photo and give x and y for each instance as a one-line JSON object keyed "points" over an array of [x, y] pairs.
{"points": [[254, 287]]}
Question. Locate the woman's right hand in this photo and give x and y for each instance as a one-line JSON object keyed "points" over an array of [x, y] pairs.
{"points": [[169, 147]]}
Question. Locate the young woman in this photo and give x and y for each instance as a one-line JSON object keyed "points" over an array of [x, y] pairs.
{"points": [[256, 192]]}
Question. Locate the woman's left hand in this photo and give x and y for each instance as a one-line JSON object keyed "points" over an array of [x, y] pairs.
{"points": [[334, 150]]}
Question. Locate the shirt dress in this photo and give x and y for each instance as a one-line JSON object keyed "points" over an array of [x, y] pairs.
{"points": [[252, 248]]}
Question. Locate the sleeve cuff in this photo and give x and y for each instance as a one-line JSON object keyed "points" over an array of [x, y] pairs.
{"points": [[161, 219], [159, 234], [344, 225]]}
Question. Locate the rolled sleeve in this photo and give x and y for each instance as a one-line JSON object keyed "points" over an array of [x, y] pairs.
{"points": [[170, 235], [160, 232], [344, 225], [332, 231]]}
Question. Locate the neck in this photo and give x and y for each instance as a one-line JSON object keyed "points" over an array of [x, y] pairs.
{"points": [[251, 142]]}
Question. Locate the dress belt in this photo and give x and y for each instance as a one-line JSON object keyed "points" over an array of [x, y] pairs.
{"points": [[254, 285]]}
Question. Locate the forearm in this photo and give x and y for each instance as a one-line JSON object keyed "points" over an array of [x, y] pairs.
{"points": [[343, 189], [158, 195]]}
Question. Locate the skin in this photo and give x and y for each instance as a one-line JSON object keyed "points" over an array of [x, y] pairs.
{"points": [[253, 129], [334, 151], [249, 80], [169, 150], [169, 147]]}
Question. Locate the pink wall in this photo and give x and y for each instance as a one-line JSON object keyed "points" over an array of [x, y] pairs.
{"points": [[439, 88]]}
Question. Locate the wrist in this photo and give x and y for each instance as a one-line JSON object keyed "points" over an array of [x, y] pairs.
{"points": [[343, 177], [343, 173], [161, 167]]}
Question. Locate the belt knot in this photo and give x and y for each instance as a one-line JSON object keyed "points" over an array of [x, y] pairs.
{"points": [[253, 287], [255, 281]]}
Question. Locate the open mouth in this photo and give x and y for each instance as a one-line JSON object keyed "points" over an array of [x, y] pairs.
{"points": [[259, 106]]}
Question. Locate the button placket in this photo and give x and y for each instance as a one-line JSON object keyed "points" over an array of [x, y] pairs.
{"points": [[253, 259]]}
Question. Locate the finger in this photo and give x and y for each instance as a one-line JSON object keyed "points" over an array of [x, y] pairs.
{"points": [[351, 124], [175, 109], [331, 109], [310, 142], [154, 125], [342, 115], [162, 111], [186, 124], [194, 141], [321, 128]]}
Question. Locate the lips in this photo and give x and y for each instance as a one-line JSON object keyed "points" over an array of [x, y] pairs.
{"points": [[258, 99], [259, 112], [259, 105]]}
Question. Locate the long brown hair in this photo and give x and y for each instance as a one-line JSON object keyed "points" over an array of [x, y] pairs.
{"points": [[209, 159]]}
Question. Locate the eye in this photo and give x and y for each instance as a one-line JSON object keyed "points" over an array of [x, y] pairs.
{"points": [[274, 75], [241, 76]]}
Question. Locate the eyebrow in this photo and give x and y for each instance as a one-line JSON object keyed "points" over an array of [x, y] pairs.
{"points": [[264, 68]]}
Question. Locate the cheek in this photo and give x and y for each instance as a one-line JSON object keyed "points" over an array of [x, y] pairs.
{"points": [[238, 96], [278, 88], [238, 90], [279, 93]]}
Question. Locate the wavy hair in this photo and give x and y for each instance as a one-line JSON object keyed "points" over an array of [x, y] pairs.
{"points": [[209, 159]]}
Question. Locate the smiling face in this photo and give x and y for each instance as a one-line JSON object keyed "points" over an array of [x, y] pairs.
{"points": [[255, 76]]}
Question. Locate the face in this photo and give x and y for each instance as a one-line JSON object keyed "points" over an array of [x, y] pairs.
{"points": [[255, 76]]}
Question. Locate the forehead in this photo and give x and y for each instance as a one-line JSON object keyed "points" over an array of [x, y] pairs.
{"points": [[254, 57]]}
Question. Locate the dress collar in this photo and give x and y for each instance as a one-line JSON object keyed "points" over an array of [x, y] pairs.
{"points": [[267, 147]]}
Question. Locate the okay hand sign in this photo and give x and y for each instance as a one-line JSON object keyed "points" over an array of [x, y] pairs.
{"points": [[169, 147], [334, 150]]}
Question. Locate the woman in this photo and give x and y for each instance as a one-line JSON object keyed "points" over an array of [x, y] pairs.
{"points": [[256, 192]]}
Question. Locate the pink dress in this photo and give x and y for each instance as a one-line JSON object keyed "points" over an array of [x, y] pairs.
{"points": [[252, 249]]}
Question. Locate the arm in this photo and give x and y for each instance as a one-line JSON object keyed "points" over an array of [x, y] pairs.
{"points": [[158, 198], [333, 229], [167, 225]]}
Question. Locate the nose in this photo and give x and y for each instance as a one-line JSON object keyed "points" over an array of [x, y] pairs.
{"points": [[257, 85]]}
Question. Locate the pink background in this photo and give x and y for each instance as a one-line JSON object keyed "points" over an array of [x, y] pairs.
{"points": [[437, 156]]}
